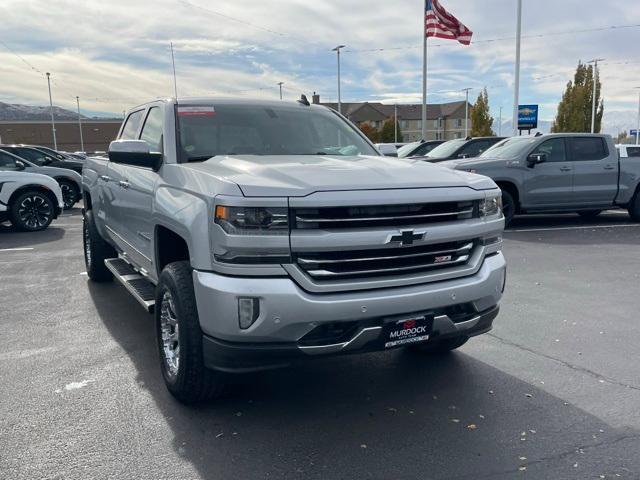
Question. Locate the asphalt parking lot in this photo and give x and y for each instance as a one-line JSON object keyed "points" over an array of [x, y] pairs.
{"points": [[552, 393]]}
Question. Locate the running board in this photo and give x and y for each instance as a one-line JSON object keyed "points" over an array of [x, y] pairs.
{"points": [[138, 286]]}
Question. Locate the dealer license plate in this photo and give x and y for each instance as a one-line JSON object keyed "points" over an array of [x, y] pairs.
{"points": [[407, 331]]}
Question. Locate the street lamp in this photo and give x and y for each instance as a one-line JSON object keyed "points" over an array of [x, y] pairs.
{"points": [[280, 85], [337, 50], [593, 107], [466, 112], [80, 124], [53, 123]]}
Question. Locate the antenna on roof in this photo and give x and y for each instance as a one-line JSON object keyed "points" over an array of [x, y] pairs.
{"points": [[173, 62], [303, 100]]}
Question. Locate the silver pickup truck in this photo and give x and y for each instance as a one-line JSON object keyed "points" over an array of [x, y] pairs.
{"points": [[562, 172], [264, 233]]}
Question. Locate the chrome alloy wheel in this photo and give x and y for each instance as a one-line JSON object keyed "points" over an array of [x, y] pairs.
{"points": [[35, 211], [170, 332], [68, 195]]}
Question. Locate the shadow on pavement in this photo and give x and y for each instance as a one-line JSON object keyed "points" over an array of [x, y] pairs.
{"points": [[393, 415]]}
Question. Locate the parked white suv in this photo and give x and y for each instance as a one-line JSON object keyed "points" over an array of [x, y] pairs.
{"points": [[30, 201], [627, 151]]}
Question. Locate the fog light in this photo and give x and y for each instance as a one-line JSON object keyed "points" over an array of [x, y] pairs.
{"points": [[248, 311]]}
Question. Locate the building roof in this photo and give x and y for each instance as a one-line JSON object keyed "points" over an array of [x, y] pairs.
{"points": [[405, 111]]}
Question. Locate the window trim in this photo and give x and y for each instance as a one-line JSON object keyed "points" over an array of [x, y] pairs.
{"points": [[146, 118], [124, 124]]}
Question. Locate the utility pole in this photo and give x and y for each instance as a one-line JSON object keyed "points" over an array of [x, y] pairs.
{"points": [[466, 112], [175, 81], [53, 122], [337, 50], [593, 107], [638, 127], [280, 85], [516, 87], [395, 117], [80, 124], [500, 123]]}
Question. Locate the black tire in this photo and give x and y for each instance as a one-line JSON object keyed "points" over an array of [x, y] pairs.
{"points": [[442, 347], [634, 207], [31, 211], [188, 379], [509, 207], [96, 251], [589, 213], [70, 193]]}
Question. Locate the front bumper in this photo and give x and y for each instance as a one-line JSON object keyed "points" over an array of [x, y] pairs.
{"points": [[288, 313]]}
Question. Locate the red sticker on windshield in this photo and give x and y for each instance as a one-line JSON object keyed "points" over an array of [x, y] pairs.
{"points": [[196, 111]]}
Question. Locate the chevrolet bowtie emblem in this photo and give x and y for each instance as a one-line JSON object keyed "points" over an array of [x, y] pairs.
{"points": [[406, 237]]}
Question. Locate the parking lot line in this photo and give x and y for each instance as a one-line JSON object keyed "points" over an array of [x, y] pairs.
{"points": [[586, 227], [22, 249]]}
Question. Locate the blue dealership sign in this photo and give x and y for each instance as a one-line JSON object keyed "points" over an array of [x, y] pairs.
{"points": [[633, 133], [527, 117]]}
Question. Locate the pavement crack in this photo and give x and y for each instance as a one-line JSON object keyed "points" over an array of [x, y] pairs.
{"points": [[576, 368]]}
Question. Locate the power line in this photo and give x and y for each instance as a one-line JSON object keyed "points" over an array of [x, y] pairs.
{"points": [[499, 39]]}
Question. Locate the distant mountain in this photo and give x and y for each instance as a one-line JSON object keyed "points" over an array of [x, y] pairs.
{"points": [[544, 126], [14, 111], [616, 121]]}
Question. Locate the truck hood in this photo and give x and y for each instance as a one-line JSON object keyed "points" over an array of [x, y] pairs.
{"points": [[475, 163], [301, 175]]}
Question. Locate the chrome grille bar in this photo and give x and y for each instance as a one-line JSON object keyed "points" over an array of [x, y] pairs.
{"points": [[386, 218]]}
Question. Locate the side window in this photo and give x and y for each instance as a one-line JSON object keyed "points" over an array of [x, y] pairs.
{"points": [[554, 149], [633, 152], [7, 161], [474, 149], [587, 148], [131, 125], [152, 130]]}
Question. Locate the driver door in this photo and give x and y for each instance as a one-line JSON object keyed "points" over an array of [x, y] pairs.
{"points": [[550, 183]]}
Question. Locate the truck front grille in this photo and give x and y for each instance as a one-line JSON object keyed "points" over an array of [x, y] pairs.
{"points": [[330, 218], [385, 262]]}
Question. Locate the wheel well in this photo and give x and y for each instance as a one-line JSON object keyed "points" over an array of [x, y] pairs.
{"points": [[512, 189], [170, 247], [34, 188]]}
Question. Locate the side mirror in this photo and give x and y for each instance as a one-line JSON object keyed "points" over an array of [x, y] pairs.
{"points": [[48, 160], [535, 158], [134, 152], [20, 165]]}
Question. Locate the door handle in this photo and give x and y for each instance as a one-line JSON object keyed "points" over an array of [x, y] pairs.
{"points": [[609, 167], [565, 169], [105, 178], [123, 184]]}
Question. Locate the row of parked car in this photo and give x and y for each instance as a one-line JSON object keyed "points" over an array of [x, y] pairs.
{"points": [[36, 184]]}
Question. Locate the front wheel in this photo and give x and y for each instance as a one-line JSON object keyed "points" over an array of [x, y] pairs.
{"points": [[32, 211], [589, 213], [440, 347], [508, 207], [96, 251], [179, 338], [634, 207]]}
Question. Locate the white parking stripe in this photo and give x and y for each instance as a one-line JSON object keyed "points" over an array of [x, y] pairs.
{"points": [[551, 229], [23, 249]]}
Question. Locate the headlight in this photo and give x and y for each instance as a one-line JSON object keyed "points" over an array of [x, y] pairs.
{"points": [[253, 220], [491, 206]]}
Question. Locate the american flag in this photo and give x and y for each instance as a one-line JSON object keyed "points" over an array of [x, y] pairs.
{"points": [[441, 24]]}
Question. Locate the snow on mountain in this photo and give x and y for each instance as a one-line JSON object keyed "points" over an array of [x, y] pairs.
{"points": [[13, 111]]}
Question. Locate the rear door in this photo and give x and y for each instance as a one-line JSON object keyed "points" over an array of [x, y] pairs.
{"points": [[595, 178], [549, 184]]}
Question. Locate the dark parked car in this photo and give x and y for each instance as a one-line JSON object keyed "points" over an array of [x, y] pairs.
{"points": [[418, 149], [461, 148], [34, 155]]}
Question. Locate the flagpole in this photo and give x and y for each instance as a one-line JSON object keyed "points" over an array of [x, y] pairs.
{"points": [[424, 73], [516, 95]]}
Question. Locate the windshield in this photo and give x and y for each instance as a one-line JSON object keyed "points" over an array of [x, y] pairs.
{"points": [[34, 156], [407, 149], [446, 149], [207, 131], [509, 148]]}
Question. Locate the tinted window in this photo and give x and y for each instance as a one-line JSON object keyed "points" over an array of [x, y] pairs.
{"points": [[554, 149], [509, 148], [587, 148], [633, 151], [446, 149], [34, 156], [131, 126], [7, 161], [152, 130], [474, 149]]}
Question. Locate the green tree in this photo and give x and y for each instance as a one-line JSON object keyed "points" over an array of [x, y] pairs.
{"points": [[370, 132], [481, 119], [574, 110], [388, 132]]}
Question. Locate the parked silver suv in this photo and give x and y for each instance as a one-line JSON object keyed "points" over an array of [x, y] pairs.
{"points": [[264, 233]]}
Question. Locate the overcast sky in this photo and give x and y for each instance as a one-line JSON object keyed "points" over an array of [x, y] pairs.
{"points": [[114, 54]]}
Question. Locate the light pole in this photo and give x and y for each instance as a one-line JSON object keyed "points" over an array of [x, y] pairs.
{"points": [[80, 124], [395, 119], [466, 112], [500, 123], [53, 123], [337, 50], [516, 88], [638, 127], [593, 107], [280, 85]]}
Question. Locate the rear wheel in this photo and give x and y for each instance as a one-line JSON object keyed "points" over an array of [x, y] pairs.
{"points": [[440, 347], [634, 207], [508, 206], [32, 211], [96, 251], [589, 213], [70, 193], [179, 338]]}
